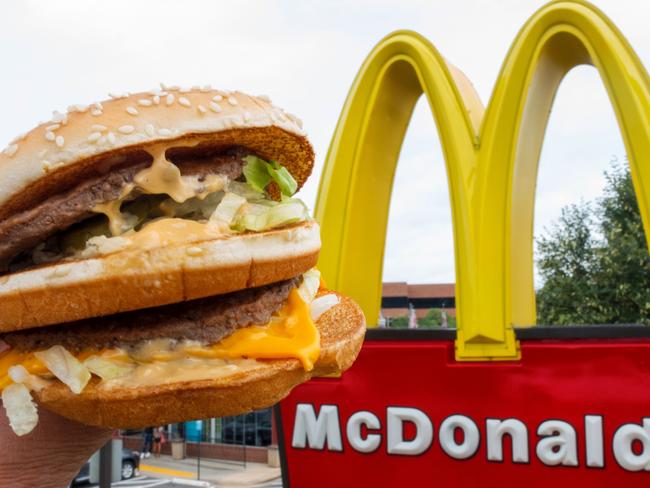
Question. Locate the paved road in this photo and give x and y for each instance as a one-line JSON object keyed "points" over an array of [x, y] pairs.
{"points": [[142, 482], [147, 482]]}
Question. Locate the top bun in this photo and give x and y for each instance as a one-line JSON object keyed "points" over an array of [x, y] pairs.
{"points": [[90, 138]]}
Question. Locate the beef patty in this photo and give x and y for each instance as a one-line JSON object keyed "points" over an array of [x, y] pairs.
{"points": [[207, 320], [23, 231]]}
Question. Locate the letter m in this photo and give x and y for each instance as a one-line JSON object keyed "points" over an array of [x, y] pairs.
{"points": [[313, 431]]}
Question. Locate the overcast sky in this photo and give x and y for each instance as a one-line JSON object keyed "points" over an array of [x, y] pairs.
{"points": [[304, 55]]}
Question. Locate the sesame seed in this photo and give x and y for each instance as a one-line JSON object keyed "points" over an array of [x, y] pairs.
{"points": [[94, 137], [111, 137], [149, 129], [232, 100], [215, 107], [164, 132], [247, 116], [117, 96], [126, 129], [156, 99], [184, 102], [98, 127], [132, 110], [53, 127], [170, 99], [145, 102], [98, 105], [101, 140], [194, 251], [163, 86], [202, 110], [217, 98], [96, 112], [264, 98], [205, 88], [77, 108], [10, 150], [59, 117], [50, 136], [60, 141]]}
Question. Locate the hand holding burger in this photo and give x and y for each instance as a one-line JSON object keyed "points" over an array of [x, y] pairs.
{"points": [[155, 266]]}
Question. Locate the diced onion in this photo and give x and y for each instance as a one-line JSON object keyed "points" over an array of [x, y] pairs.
{"points": [[65, 367], [19, 374], [309, 286], [322, 304], [20, 408]]}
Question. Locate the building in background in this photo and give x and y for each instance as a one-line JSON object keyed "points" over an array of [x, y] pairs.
{"points": [[398, 297]]}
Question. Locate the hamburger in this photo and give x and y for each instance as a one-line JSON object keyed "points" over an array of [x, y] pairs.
{"points": [[156, 267]]}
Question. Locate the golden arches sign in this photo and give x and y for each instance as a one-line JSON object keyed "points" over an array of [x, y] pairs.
{"points": [[491, 159]]}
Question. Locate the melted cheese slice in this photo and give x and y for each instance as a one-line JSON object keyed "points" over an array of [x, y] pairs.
{"points": [[291, 333]]}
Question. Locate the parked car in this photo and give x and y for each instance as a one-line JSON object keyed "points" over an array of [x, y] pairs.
{"points": [[130, 467]]}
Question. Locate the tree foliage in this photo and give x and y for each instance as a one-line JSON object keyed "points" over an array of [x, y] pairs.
{"points": [[432, 319], [594, 260]]}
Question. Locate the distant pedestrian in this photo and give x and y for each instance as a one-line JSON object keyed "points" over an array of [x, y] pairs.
{"points": [[158, 440], [147, 443]]}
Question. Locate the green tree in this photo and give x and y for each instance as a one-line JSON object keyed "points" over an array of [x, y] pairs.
{"points": [[401, 322], [433, 319], [623, 273], [594, 261]]}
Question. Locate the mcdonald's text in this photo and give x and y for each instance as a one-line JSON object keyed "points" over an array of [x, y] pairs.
{"points": [[409, 431]]}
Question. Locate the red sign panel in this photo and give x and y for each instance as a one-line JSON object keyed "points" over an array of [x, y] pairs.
{"points": [[407, 414]]}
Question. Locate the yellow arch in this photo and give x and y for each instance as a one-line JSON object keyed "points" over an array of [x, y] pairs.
{"points": [[491, 172]]}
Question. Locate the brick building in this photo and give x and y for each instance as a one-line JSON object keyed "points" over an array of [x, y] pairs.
{"points": [[398, 296]]}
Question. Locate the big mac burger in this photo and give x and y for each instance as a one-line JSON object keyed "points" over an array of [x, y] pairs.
{"points": [[155, 265]]}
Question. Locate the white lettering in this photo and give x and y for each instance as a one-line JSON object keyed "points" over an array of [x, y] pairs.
{"points": [[559, 444], [594, 441], [471, 436], [395, 418], [371, 441], [624, 439], [517, 431], [312, 431]]}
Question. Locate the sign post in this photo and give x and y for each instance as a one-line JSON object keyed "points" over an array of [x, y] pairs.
{"points": [[497, 401]]}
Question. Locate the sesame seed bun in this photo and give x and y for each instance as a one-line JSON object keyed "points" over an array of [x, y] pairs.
{"points": [[342, 329], [91, 138], [123, 281]]}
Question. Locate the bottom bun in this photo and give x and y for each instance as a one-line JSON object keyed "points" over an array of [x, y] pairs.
{"points": [[342, 329]]}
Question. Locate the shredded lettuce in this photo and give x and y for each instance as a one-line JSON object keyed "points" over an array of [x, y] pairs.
{"points": [[245, 190], [283, 178], [257, 217], [108, 369], [228, 208], [260, 173], [309, 286], [20, 408], [65, 367], [256, 173]]}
